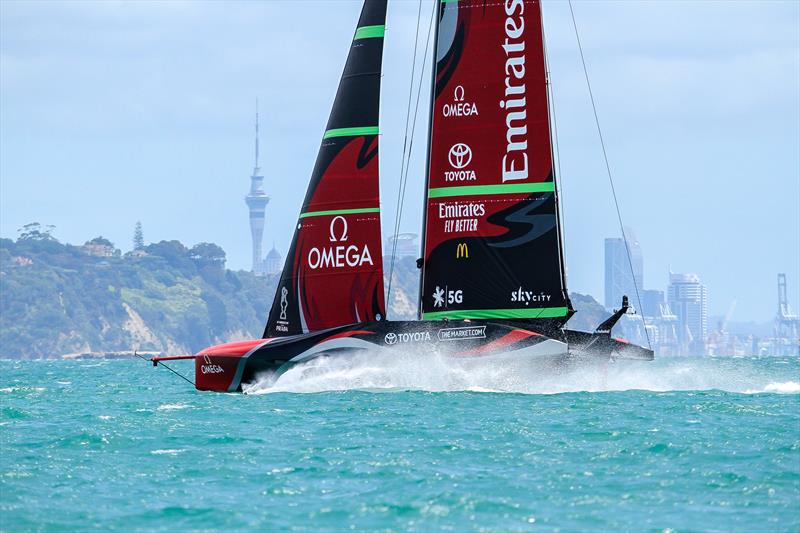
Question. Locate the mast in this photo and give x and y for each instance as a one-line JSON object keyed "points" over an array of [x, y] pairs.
{"points": [[559, 215], [428, 156]]}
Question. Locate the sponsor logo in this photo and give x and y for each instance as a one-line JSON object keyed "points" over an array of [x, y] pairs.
{"points": [[451, 296], [521, 295], [460, 155], [343, 237], [515, 160], [417, 336], [462, 251], [284, 302], [459, 175], [438, 297], [457, 210], [340, 255], [209, 368], [457, 216], [459, 108], [457, 334]]}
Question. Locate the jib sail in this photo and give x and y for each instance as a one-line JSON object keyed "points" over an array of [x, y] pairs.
{"points": [[492, 243], [334, 273]]}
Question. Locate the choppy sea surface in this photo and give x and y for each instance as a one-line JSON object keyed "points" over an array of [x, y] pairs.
{"points": [[693, 444]]}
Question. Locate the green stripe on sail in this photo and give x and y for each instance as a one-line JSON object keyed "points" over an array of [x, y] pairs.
{"points": [[449, 1], [368, 32], [340, 212], [541, 312], [474, 190], [351, 132]]}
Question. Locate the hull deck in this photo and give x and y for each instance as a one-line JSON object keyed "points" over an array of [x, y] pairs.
{"points": [[227, 367]]}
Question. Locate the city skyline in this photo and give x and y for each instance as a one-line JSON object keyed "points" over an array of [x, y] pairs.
{"points": [[129, 130]]}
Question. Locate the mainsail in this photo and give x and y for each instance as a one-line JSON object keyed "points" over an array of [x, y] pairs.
{"points": [[492, 243], [334, 272]]}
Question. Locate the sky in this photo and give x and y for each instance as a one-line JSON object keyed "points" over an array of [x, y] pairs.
{"points": [[113, 112]]}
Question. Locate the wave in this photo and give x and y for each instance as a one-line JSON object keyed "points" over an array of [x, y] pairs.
{"points": [[786, 387], [22, 389], [167, 452], [377, 372], [172, 406]]}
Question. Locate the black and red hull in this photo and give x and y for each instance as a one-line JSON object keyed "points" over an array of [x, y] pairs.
{"points": [[227, 367]]}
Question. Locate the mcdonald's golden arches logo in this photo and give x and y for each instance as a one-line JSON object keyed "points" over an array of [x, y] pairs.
{"points": [[462, 250]]}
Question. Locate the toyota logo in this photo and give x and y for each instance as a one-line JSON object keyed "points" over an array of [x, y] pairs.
{"points": [[460, 155], [390, 338]]}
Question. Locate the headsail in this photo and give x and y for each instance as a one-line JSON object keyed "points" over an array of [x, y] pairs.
{"points": [[492, 243], [333, 273]]}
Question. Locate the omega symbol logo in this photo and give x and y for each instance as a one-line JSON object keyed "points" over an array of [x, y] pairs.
{"points": [[343, 237], [460, 155], [207, 359], [458, 93]]}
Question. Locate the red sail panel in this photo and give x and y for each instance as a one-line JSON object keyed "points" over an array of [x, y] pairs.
{"points": [[334, 273], [492, 245]]}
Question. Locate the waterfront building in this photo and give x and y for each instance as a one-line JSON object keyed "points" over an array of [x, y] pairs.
{"points": [[687, 297], [406, 245], [257, 201], [273, 263], [787, 324], [619, 280], [99, 247]]}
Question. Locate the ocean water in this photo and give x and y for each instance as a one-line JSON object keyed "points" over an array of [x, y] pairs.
{"points": [[703, 444]]}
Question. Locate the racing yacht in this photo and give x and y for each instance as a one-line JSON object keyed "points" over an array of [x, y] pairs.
{"points": [[492, 276]]}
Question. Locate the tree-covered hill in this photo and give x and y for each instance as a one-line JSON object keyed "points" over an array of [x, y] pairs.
{"points": [[58, 299]]}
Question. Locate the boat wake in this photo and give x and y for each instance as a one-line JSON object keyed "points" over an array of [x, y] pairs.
{"points": [[382, 373]]}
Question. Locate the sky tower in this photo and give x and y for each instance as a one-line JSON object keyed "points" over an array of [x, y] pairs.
{"points": [[257, 201]]}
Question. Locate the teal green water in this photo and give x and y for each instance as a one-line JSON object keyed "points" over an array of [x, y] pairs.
{"points": [[712, 444]]}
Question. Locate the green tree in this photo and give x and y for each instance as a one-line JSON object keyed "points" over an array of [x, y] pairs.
{"points": [[208, 254], [35, 232], [138, 237], [101, 240]]}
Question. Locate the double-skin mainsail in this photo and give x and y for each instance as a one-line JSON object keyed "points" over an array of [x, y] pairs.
{"points": [[492, 245]]}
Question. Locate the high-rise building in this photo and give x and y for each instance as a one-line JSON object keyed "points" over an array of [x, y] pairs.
{"points": [[688, 299], [619, 278], [257, 201], [652, 303]]}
